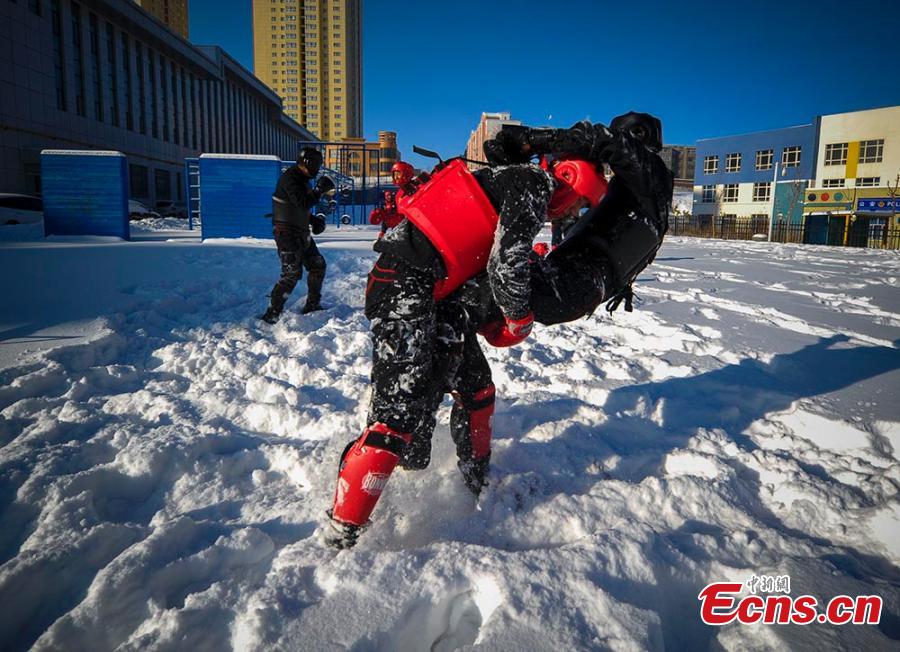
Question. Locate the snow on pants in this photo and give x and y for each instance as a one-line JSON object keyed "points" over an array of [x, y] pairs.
{"points": [[297, 250], [421, 350]]}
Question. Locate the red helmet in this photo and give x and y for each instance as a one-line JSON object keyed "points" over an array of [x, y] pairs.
{"points": [[575, 179], [402, 173]]}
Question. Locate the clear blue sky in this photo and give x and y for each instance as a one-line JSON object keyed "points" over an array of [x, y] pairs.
{"points": [[705, 68]]}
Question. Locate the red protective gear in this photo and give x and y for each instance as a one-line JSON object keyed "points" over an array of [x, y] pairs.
{"points": [[365, 468], [541, 248], [508, 332], [575, 179], [481, 421], [402, 173], [387, 214], [436, 207]]}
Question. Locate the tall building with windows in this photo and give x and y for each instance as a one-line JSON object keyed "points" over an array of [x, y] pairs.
{"points": [[105, 75], [487, 128], [753, 176], [310, 53], [173, 13], [681, 159], [857, 173], [357, 158]]}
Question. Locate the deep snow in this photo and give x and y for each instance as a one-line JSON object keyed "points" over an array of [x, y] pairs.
{"points": [[166, 459]]}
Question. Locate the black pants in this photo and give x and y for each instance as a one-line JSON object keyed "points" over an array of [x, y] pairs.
{"points": [[297, 250], [422, 349]]}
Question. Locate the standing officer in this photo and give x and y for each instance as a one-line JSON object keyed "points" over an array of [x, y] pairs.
{"points": [[291, 216]]}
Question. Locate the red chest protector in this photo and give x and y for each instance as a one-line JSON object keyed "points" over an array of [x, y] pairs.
{"points": [[455, 214]]}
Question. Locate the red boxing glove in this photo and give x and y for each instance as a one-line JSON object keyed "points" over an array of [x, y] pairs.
{"points": [[541, 249], [508, 332]]}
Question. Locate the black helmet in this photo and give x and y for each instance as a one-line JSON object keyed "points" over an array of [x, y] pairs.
{"points": [[311, 159], [642, 126]]}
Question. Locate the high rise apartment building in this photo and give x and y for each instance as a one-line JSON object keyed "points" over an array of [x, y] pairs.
{"points": [[174, 13], [487, 128], [310, 53]]}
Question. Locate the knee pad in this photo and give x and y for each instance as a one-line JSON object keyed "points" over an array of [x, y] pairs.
{"points": [[364, 471]]}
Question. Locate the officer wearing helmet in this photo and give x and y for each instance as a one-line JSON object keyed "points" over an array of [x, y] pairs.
{"points": [[457, 265], [387, 215], [292, 219]]}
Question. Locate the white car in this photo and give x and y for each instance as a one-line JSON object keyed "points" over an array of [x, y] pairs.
{"points": [[139, 211], [20, 209]]}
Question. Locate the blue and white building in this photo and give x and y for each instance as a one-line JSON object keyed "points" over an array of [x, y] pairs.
{"points": [[755, 176]]}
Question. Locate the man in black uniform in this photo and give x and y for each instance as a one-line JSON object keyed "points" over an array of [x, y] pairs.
{"points": [[291, 205]]}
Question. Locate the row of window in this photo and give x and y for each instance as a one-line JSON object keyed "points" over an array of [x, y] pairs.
{"points": [[790, 158], [134, 87], [870, 151], [762, 192], [861, 182]]}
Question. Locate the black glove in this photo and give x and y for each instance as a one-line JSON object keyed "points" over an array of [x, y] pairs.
{"points": [[317, 224], [325, 186]]}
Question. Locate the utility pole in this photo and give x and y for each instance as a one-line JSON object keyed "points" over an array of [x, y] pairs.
{"points": [[774, 199]]}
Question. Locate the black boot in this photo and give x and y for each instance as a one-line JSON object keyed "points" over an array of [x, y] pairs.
{"points": [[312, 304], [474, 473], [340, 535], [271, 315]]}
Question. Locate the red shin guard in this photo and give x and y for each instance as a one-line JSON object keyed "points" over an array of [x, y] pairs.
{"points": [[364, 472], [480, 418]]}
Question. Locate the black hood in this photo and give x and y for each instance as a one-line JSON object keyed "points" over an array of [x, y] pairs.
{"points": [[642, 126]]}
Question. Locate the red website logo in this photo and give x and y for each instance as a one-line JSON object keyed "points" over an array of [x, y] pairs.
{"points": [[721, 604]]}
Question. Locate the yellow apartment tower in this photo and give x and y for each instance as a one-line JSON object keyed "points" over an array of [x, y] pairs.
{"points": [[309, 52], [173, 13]]}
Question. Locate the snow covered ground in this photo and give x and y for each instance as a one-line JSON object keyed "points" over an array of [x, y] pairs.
{"points": [[166, 459]]}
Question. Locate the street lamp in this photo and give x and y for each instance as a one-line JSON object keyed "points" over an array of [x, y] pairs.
{"points": [[774, 196]]}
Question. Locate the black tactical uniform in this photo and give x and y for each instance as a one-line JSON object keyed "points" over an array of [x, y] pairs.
{"points": [[292, 203]]}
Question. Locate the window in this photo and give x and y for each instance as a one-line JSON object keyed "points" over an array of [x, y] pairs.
{"points": [[790, 157], [836, 153], [94, 31], [764, 159], [165, 98], [709, 195], [173, 78], [710, 164], [162, 182], [142, 95], [733, 162], [871, 151], [730, 192], [79, 59], [126, 68], [58, 66], [154, 121], [868, 182], [137, 177], [762, 191], [111, 79], [832, 183]]}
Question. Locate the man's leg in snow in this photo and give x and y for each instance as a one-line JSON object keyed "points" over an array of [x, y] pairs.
{"points": [[472, 415], [400, 304]]}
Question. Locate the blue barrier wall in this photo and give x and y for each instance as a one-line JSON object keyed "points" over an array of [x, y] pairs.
{"points": [[236, 195], [85, 192]]}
